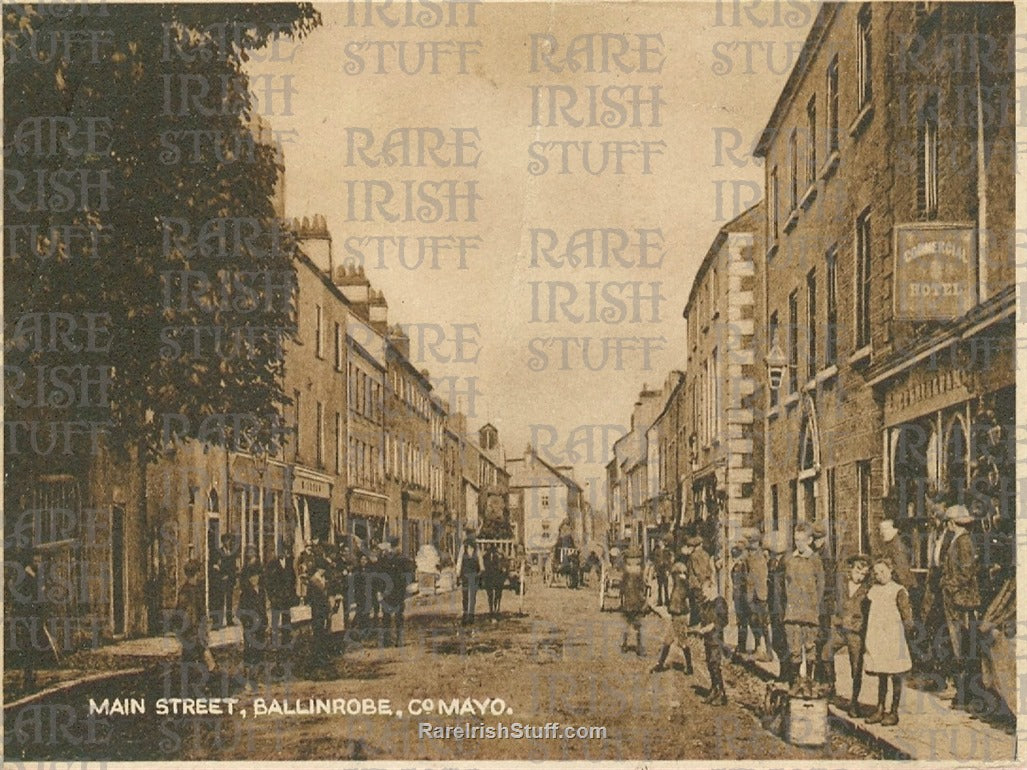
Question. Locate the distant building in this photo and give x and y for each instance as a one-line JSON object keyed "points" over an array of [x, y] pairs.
{"points": [[544, 498]]}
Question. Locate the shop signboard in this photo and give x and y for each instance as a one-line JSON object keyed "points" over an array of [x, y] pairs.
{"points": [[935, 271]]}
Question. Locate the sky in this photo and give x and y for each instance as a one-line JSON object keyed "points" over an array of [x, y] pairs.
{"points": [[514, 316]]}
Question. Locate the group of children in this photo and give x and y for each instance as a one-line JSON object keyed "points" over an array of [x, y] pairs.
{"points": [[871, 618], [702, 614]]}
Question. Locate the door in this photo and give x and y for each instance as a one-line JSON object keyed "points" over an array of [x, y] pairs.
{"points": [[118, 569], [213, 540]]}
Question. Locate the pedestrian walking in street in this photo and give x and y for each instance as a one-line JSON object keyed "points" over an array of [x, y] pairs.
{"points": [[633, 604], [848, 626], [517, 571], [361, 597], [225, 570], [320, 613], [678, 610], [961, 600], [757, 586], [469, 568], [399, 571], [777, 547], [494, 578], [253, 617], [740, 599], [804, 592], [886, 655], [280, 584], [712, 621], [662, 560]]}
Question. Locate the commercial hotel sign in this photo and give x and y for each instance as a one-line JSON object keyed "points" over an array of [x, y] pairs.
{"points": [[935, 271]]}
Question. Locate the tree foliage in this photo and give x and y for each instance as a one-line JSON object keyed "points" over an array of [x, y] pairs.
{"points": [[120, 71]]}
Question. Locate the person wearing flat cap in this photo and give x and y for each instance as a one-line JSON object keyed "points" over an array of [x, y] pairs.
{"points": [[821, 549], [961, 599]]}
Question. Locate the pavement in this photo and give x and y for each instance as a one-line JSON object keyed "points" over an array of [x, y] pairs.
{"points": [[928, 729]]}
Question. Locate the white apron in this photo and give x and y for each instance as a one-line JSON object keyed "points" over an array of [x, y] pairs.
{"points": [[886, 649]]}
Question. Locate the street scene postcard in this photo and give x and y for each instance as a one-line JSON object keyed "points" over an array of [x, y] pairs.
{"points": [[439, 383]]}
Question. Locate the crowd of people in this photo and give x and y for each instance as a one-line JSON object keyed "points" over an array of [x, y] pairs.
{"points": [[802, 610]]}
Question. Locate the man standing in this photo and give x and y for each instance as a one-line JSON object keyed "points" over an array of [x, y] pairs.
{"points": [[756, 579], [399, 572], [804, 592], [677, 607], [662, 560], [961, 599], [280, 584], [225, 569], [469, 568], [777, 546], [740, 599]]}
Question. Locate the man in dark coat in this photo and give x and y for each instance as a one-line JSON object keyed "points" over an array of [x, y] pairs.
{"points": [[280, 584], [399, 572], [700, 569], [224, 570], [961, 600], [892, 547], [740, 598]]}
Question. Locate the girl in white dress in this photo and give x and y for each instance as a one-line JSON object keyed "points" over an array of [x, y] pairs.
{"points": [[889, 619]]}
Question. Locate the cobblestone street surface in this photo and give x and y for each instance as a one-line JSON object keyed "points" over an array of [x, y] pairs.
{"points": [[560, 662]]}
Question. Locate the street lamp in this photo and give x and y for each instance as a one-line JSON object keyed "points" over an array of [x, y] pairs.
{"points": [[777, 363]]}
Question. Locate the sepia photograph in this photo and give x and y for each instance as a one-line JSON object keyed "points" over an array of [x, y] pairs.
{"points": [[452, 382]]}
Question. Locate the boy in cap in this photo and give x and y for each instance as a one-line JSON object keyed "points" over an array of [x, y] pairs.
{"points": [[804, 592], [677, 607], [848, 624], [700, 569], [712, 620], [776, 544], [961, 598]]}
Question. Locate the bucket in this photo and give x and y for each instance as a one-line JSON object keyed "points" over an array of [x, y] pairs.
{"points": [[807, 721]]}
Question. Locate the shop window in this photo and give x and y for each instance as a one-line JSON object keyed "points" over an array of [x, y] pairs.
{"points": [[865, 90], [863, 505], [862, 287]]}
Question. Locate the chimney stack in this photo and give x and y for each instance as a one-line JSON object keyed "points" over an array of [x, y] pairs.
{"points": [[315, 241], [355, 287]]}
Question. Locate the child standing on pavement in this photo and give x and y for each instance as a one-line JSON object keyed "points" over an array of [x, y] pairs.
{"points": [[889, 619], [712, 620]]}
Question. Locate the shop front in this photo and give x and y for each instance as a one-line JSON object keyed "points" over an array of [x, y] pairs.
{"points": [[366, 516], [949, 437]]}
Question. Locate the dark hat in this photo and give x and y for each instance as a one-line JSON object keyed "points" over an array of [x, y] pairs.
{"points": [[394, 541], [819, 530], [736, 550], [858, 558], [470, 540]]}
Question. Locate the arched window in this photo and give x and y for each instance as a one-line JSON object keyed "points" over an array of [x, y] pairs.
{"points": [[212, 501], [955, 459]]}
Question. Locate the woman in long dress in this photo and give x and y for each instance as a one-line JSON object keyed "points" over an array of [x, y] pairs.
{"points": [[889, 619]]}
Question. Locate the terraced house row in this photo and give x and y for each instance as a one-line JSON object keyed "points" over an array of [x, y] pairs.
{"points": [[851, 338]]}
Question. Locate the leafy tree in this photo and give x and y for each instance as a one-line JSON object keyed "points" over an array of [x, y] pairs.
{"points": [[94, 107]]}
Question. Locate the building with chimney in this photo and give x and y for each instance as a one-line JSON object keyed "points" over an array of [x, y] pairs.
{"points": [[890, 259], [546, 499]]}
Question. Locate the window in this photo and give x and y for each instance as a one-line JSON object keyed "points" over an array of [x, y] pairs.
{"points": [[772, 330], [772, 214], [863, 503], [811, 140], [862, 299], [338, 346], [714, 363], [832, 105], [831, 287], [927, 160], [775, 511], [863, 58], [319, 338], [338, 442], [544, 500], [811, 323], [320, 429], [793, 159], [793, 342]]}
